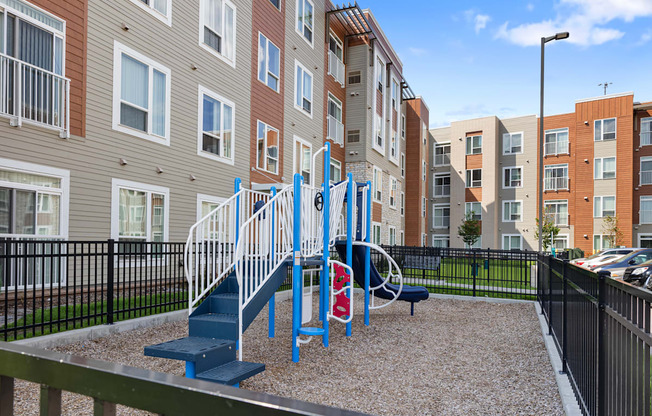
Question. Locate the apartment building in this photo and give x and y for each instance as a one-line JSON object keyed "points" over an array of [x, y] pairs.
{"points": [[416, 172], [596, 164], [131, 119]]}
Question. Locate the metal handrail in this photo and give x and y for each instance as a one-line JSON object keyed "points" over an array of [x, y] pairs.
{"points": [[382, 286]]}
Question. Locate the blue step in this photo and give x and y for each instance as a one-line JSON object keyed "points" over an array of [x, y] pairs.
{"points": [[311, 331], [206, 353], [224, 303], [212, 325], [231, 373]]}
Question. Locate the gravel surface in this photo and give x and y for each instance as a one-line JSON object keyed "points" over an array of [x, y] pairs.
{"points": [[454, 357]]}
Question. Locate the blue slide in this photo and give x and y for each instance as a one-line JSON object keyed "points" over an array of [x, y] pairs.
{"points": [[408, 293]]}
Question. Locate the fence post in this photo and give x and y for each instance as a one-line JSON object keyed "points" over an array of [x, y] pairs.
{"points": [[473, 271], [110, 281], [601, 352], [549, 295], [564, 320]]}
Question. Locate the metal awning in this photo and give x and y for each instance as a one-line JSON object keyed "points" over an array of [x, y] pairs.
{"points": [[406, 91], [352, 19]]}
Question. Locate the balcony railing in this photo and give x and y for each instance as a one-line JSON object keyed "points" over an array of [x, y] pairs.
{"points": [[443, 159], [646, 138], [336, 67], [645, 177], [555, 184], [34, 95], [335, 130], [555, 148]]}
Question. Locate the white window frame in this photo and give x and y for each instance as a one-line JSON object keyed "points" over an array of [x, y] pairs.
{"points": [[335, 73], [556, 203], [424, 206], [393, 191], [424, 240], [644, 198], [510, 236], [424, 170], [509, 210], [645, 122], [200, 125], [296, 23], [510, 168], [118, 50], [643, 236], [379, 70], [602, 238], [469, 207], [508, 137], [598, 170], [402, 204], [402, 165], [63, 192], [212, 51], [598, 205], [298, 139], [265, 146], [556, 133], [442, 186], [298, 65], [377, 186], [641, 171], [268, 73], [478, 244], [466, 184], [439, 237], [562, 237], [473, 149], [440, 207], [394, 146], [211, 199], [338, 164], [149, 8], [602, 133], [117, 184], [375, 224], [391, 232], [403, 126], [556, 178], [279, 4], [435, 154], [333, 135], [402, 237]]}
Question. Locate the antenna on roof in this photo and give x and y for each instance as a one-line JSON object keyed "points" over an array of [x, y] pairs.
{"points": [[605, 85]]}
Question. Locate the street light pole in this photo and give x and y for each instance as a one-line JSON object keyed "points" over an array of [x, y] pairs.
{"points": [[544, 40]]}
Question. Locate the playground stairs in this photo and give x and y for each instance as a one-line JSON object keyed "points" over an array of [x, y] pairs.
{"points": [[213, 331]]}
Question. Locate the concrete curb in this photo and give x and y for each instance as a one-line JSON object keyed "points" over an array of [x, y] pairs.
{"points": [[99, 331], [568, 400]]}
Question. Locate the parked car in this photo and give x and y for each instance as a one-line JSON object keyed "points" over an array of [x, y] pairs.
{"points": [[597, 256], [639, 275], [602, 260], [617, 268]]}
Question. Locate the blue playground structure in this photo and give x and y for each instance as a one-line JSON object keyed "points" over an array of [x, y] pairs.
{"points": [[237, 256]]}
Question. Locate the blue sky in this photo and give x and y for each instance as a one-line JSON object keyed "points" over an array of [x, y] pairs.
{"points": [[477, 58]]}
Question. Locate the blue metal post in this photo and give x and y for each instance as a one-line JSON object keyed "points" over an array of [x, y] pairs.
{"points": [[272, 301], [237, 186], [324, 281], [297, 272], [351, 194], [367, 256], [190, 369]]}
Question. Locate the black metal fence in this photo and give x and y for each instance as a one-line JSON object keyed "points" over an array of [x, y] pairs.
{"points": [[601, 327], [51, 286]]}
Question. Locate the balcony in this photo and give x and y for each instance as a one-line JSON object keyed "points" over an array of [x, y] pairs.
{"points": [[336, 67], [443, 159], [555, 184], [645, 177], [29, 94], [335, 130]]}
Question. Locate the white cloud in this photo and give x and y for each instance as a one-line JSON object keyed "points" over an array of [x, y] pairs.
{"points": [[529, 7], [481, 22], [584, 19], [418, 51], [645, 38]]}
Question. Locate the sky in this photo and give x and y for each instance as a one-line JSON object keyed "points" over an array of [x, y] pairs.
{"points": [[471, 59]]}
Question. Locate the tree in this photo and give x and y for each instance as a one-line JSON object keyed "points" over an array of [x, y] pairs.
{"points": [[612, 231], [549, 229], [469, 230]]}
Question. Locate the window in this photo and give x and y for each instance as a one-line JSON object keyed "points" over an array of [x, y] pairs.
{"points": [[217, 118], [423, 206], [402, 203], [33, 201], [512, 143], [392, 235], [605, 129], [379, 129], [555, 177], [336, 170], [441, 214], [645, 176], [512, 211], [477, 244], [354, 77], [380, 74], [393, 185], [139, 213], [141, 96], [473, 178], [267, 147], [560, 242], [424, 170], [424, 130], [402, 126], [302, 158], [512, 242], [424, 239], [218, 29], [475, 208], [646, 131], [440, 242], [396, 102], [513, 177], [645, 211], [605, 168], [442, 154], [645, 241], [303, 89], [335, 126], [402, 235], [558, 210], [161, 9], [207, 204], [393, 147], [377, 184], [353, 136], [305, 21], [269, 63], [276, 3], [335, 59], [601, 242], [442, 185], [473, 145], [604, 206], [402, 165], [375, 233], [556, 142]]}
